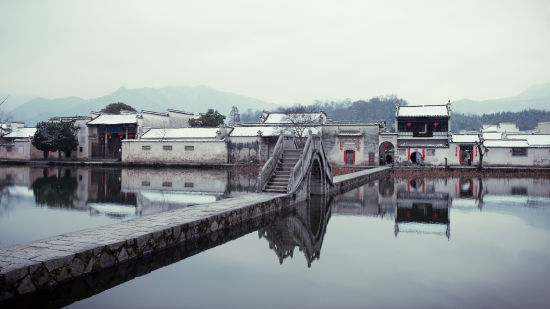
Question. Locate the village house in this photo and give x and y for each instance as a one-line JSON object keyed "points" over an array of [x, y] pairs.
{"points": [[177, 145], [352, 143], [106, 131], [423, 134], [16, 145]]}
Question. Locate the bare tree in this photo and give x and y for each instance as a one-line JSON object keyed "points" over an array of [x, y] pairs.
{"points": [[300, 119], [481, 150]]}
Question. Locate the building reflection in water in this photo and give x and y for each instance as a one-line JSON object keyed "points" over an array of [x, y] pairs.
{"points": [[122, 193], [304, 229]]}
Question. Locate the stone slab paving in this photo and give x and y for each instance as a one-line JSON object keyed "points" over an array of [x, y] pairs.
{"points": [[48, 262], [346, 182]]}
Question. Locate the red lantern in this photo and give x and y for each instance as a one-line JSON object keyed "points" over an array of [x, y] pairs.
{"points": [[409, 124], [102, 137], [436, 124], [130, 135]]}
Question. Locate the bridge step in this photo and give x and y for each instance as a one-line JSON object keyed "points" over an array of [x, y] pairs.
{"points": [[275, 190]]}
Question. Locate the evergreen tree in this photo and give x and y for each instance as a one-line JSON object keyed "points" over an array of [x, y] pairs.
{"points": [[211, 119]]}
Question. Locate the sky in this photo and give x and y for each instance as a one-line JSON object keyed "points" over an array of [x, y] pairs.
{"points": [[284, 52]]}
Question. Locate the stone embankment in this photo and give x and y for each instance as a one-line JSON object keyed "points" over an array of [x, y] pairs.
{"points": [[52, 261]]}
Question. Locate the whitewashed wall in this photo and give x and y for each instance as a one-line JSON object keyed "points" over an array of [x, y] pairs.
{"points": [[437, 159], [503, 157], [206, 152], [20, 150]]}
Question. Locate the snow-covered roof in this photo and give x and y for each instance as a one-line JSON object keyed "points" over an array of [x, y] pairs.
{"points": [[248, 131], [114, 119], [492, 135], [181, 133], [532, 139], [423, 111], [253, 131], [283, 118], [505, 143], [465, 138], [21, 133]]}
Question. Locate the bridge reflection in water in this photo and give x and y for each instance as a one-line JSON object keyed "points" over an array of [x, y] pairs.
{"points": [[304, 229]]}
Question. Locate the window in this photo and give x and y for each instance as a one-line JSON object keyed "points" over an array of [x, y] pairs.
{"points": [[8, 148], [430, 152], [189, 148], [167, 147], [145, 183], [80, 149], [519, 152], [167, 184], [145, 147], [189, 185]]}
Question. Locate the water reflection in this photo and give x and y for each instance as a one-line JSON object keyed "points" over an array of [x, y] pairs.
{"points": [[78, 196], [304, 229], [423, 205]]}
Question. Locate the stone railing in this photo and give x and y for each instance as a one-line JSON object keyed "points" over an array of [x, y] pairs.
{"points": [[269, 166], [298, 171]]}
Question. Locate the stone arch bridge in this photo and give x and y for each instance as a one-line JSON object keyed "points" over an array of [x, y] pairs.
{"points": [[295, 169]]}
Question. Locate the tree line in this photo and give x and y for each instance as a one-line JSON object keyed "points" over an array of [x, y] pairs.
{"points": [[383, 108]]}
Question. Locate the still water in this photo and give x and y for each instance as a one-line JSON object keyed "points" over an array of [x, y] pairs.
{"points": [[424, 242], [36, 203]]}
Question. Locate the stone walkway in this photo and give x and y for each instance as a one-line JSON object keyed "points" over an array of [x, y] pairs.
{"points": [[47, 262]]}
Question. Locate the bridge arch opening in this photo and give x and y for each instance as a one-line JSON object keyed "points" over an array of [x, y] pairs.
{"points": [[316, 179]]}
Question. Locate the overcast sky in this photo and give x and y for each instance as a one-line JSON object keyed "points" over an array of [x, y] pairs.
{"points": [[279, 51]]}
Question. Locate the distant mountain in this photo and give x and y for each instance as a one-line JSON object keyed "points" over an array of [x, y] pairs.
{"points": [[535, 97], [189, 99]]}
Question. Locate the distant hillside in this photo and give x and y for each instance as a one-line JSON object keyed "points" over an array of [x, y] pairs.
{"points": [[525, 120], [189, 99], [372, 110], [536, 97]]}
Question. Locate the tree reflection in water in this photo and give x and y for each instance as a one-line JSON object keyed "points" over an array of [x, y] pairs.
{"points": [[56, 190]]}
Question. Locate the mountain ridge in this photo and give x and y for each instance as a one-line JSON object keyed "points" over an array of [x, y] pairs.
{"points": [[535, 97], [193, 99]]}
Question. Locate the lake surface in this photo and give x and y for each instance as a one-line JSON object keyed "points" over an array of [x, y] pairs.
{"points": [[423, 242], [36, 203]]}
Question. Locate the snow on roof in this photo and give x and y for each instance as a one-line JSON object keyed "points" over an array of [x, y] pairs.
{"points": [[423, 111], [246, 131], [505, 143], [532, 139], [492, 135], [181, 133], [283, 118], [21, 133], [465, 138], [253, 131], [114, 119]]}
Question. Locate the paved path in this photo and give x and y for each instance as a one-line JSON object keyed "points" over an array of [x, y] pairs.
{"points": [[46, 262]]}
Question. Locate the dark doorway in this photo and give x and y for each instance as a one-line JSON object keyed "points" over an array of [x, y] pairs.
{"points": [[349, 157], [466, 155], [386, 152], [416, 157]]}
